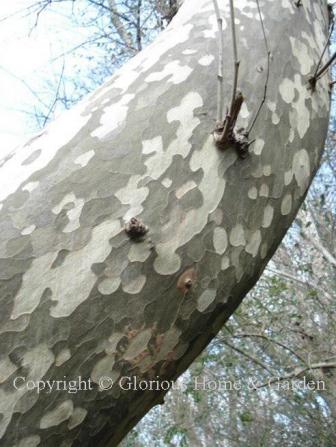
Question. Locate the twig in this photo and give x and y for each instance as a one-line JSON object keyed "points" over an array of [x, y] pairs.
{"points": [[220, 64], [297, 372], [324, 50], [325, 66], [235, 57], [224, 133], [267, 70], [320, 72], [247, 355]]}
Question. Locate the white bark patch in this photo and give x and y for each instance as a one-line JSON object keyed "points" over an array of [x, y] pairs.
{"points": [[264, 250], [84, 159], [267, 170], [268, 216], [71, 282], [112, 342], [113, 116], [301, 169], [244, 113], [63, 357], [55, 136], [286, 204], [220, 240], [109, 286], [177, 73], [73, 214], [300, 51], [77, 417], [206, 299], [61, 413], [30, 186], [252, 193], [135, 286], [275, 118], [288, 177], [225, 264], [264, 190], [189, 52], [237, 236], [139, 252], [253, 244], [103, 368], [133, 196], [184, 113], [288, 4], [37, 361], [206, 60], [167, 182], [188, 186], [212, 188], [258, 146], [286, 89], [28, 230], [138, 344], [154, 145]]}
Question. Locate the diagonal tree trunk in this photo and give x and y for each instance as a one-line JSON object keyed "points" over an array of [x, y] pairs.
{"points": [[81, 297]]}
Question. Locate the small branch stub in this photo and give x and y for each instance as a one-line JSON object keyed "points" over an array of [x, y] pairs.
{"points": [[136, 229], [186, 281], [225, 134]]}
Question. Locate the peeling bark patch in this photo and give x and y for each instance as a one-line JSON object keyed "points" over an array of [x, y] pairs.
{"points": [[138, 344], [301, 169], [205, 61], [113, 116], [61, 413], [188, 186], [268, 216], [253, 244], [286, 204], [206, 299], [237, 236], [104, 368], [63, 357], [220, 240], [135, 286], [109, 286], [177, 73], [71, 282]]}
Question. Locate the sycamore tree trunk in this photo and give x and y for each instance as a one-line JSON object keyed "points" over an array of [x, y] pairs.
{"points": [[84, 300]]}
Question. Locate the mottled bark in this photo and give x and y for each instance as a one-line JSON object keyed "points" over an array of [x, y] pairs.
{"points": [[81, 298]]}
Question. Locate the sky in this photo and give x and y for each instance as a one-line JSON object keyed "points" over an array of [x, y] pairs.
{"points": [[26, 53]]}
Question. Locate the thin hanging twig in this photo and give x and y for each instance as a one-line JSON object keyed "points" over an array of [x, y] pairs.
{"points": [[325, 67], [229, 123], [235, 56], [267, 70], [220, 98], [324, 50], [319, 72]]}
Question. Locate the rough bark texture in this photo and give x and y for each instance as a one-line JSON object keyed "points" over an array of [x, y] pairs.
{"points": [[78, 296]]}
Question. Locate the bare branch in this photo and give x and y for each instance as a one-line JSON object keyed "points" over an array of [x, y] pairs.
{"points": [[220, 98], [267, 70]]}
